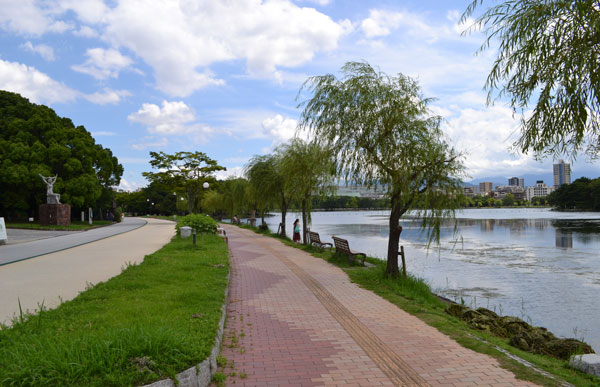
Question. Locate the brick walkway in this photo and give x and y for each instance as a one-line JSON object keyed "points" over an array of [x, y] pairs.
{"points": [[295, 320]]}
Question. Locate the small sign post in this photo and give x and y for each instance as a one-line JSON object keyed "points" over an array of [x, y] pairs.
{"points": [[3, 236]]}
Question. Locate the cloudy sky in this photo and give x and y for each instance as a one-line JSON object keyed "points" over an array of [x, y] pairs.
{"points": [[221, 76]]}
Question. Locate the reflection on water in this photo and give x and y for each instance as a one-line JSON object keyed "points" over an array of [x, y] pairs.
{"points": [[536, 264]]}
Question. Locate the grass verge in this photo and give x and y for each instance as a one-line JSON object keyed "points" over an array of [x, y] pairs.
{"points": [[148, 323], [76, 225], [415, 297]]}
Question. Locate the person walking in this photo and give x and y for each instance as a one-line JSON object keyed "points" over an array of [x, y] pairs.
{"points": [[296, 237]]}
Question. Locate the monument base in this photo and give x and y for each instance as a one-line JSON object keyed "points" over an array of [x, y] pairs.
{"points": [[55, 214]]}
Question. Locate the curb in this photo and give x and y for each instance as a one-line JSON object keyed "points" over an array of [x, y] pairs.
{"points": [[201, 374]]}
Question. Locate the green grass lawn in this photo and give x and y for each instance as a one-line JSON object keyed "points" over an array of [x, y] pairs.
{"points": [[152, 321], [415, 297], [76, 225]]}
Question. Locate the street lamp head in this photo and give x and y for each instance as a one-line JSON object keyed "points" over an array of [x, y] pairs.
{"points": [[205, 185]]}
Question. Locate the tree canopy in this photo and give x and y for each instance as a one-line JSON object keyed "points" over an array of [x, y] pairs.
{"points": [[381, 132], [310, 171], [184, 172], [268, 180], [35, 140], [549, 55]]}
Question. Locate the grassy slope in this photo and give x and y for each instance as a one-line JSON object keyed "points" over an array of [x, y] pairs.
{"points": [[152, 321], [415, 297]]}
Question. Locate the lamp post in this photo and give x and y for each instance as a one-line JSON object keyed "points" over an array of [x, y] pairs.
{"points": [[175, 204]]}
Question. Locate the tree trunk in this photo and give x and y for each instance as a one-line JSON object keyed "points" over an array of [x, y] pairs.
{"points": [[394, 240], [283, 214], [304, 220], [190, 204]]}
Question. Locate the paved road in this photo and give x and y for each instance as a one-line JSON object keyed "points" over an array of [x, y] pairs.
{"points": [[18, 252], [61, 275], [21, 235], [293, 319]]}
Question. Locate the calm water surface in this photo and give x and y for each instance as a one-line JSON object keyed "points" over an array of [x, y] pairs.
{"points": [[537, 264]]}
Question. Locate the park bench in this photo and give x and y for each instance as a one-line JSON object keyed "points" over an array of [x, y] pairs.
{"points": [[315, 239], [341, 246]]}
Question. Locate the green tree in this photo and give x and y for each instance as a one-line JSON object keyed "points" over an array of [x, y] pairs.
{"points": [[235, 198], [381, 131], [213, 202], [548, 56], [265, 182], [184, 172], [266, 176], [508, 200], [34, 140], [310, 170]]}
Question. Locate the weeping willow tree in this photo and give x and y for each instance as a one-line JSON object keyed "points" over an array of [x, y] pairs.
{"points": [[381, 132], [310, 171], [548, 59], [269, 183]]}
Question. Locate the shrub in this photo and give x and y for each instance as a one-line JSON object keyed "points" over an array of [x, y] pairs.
{"points": [[117, 215], [200, 222]]}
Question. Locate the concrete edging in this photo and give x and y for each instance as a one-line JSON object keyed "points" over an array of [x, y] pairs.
{"points": [[201, 374]]}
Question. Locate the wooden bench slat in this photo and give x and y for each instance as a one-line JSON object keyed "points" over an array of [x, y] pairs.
{"points": [[315, 239], [342, 246]]}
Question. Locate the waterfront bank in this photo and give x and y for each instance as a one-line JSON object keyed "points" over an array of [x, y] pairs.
{"points": [[535, 264]]}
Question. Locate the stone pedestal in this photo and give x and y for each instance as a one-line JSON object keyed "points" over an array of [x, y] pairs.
{"points": [[55, 214]]}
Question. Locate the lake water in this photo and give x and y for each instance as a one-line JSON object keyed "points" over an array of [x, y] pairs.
{"points": [[537, 264]]}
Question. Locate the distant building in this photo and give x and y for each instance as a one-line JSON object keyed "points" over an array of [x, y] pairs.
{"points": [[517, 182], [470, 191], [486, 187], [540, 190], [517, 191], [562, 173], [375, 192]]}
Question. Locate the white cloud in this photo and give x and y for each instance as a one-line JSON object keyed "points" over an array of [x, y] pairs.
{"points": [[28, 18], [42, 50], [380, 23], [318, 2], [86, 32], [485, 135], [107, 96], [128, 185], [172, 118], [150, 142], [181, 40], [279, 128], [33, 84], [88, 11], [230, 172], [103, 64]]}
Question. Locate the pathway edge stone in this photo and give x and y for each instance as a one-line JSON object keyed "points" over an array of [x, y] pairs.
{"points": [[201, 375]]}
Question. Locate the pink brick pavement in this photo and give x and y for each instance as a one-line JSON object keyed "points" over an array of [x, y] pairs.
{"points": [[281, 332]]}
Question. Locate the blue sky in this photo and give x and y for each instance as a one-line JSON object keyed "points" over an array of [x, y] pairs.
{"points": [[222, 77]]}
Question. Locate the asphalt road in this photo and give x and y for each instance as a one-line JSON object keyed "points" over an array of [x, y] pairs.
{"points": [[51, 242]]}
